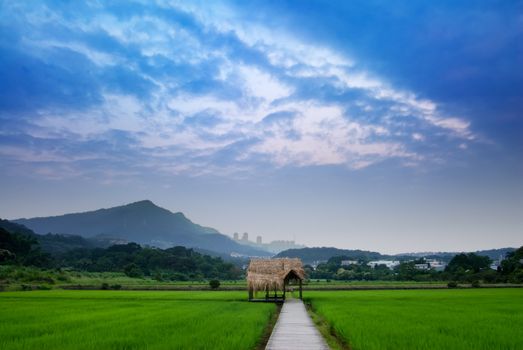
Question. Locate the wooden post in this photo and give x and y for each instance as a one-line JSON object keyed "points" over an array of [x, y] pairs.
{"points": [[301, 296], [266, 292], [250, 294]]}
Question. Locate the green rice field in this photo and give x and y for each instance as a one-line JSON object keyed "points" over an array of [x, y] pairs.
{"points": [[424, 319], [131, 320], [382, 319]]}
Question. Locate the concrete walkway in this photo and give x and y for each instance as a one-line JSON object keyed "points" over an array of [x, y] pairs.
{"points": [[295, 329]]}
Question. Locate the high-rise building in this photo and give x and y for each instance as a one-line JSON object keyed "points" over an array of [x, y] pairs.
{"points": [[259, 240], [236, 236], [245, 236]]}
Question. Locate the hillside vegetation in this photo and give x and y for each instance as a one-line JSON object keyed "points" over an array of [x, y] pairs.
{"points": [[21, 248]]}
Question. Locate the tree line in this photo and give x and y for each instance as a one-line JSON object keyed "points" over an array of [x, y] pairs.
{"points": [[464, 267], [20, 246], [177, 263]]}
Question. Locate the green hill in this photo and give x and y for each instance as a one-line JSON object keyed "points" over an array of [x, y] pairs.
{"points": [[311, 255], [142, 222]]}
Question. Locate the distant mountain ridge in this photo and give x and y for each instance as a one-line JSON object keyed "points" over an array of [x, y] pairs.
{"points": [[141, 222], [311, 255], [54, 243], [493, 254], [315, 254]]}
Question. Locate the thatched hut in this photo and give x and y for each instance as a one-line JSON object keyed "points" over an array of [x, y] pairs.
{"points": [[273, 275]]}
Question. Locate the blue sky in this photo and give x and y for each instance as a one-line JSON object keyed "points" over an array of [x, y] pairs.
{"points": [[381, 125]]}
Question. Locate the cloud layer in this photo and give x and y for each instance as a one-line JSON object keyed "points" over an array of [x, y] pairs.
{"points": [[185, 89]]}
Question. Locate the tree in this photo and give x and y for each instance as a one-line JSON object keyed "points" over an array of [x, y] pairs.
{"points": [[468, 262], [406, 271], [21, 248], [132, 270], [452, 284], [214, 284], [512, 261], [6, 255]]}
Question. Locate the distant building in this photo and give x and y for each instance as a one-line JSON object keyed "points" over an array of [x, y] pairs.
{"points": [[497, 263], [389, 263], [259, 240], [436, 264], [424, 266], [245, 237], [236, 236], [280, 245], [349, 262], [431, 264]]}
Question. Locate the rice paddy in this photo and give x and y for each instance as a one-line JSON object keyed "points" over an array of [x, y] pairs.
{"points": [[424, 319], [130, 320], [382, 319]]}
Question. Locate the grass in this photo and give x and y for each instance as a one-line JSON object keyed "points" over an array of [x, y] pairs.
{"points": [[131, 320], [424, 319], [327, 331], [341, 285], [13, 278]]}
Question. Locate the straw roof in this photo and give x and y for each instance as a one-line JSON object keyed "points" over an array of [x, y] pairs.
{"points": [[263, 273]]}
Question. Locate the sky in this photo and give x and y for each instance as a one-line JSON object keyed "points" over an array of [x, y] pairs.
{"points": [[380, 125]]}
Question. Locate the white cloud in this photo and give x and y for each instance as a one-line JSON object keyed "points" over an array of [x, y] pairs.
{"points": [[97, 57], [287, 52], [458, 126], [320, 131], [323, 135], [262, 84], [418, 137]]}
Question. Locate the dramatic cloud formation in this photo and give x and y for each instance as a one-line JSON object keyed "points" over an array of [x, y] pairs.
{"points": [[187, 89], [377, 124]]}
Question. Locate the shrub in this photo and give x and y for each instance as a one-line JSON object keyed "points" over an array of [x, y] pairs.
{"points": [[518, 277], [45, 279], [158, 276], [63, 278], [214, 284], [116, 287], [475, 284], [177, 276], [105, 286], [43, 287], [491, 277], [452, 284], [133, 270]]}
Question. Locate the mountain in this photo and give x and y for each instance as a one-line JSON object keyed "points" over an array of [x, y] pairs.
{"points": [[16, 228], [311, 255], [141, 222], [493, 254], [56, 243]]}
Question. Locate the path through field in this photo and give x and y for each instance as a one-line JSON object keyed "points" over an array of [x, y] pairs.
{"points": [[295, 329]]}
